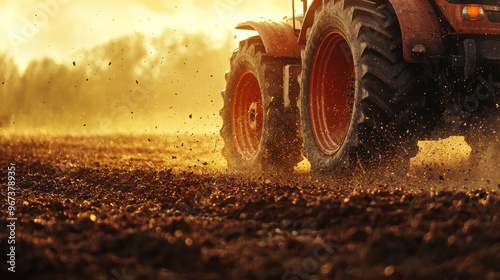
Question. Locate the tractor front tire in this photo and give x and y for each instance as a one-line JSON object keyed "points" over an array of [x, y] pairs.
{"points": [[259, 135]]}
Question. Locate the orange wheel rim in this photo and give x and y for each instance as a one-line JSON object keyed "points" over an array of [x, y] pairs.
{"points": [[331, 92], [247, 115]]}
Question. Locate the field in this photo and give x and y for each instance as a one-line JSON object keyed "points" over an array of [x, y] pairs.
{"points": [[164, 207]]}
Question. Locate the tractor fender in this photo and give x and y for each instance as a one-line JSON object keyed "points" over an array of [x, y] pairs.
{"points": [[420, 28], [278, 37]]}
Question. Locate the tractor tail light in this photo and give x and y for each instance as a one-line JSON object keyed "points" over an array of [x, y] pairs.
{"points": [[473, 12]]}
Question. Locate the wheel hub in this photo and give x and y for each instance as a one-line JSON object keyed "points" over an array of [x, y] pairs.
{"points": [[253, 115]]}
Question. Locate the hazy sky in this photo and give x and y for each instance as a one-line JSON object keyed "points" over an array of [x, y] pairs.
{"points": [[59, 28]]}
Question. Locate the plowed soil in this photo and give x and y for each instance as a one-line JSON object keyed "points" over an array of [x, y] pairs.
{"points": [[164, 207]]}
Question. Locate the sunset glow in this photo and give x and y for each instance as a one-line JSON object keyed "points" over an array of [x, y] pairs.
{"points": [[79, 63], [59, 28]]}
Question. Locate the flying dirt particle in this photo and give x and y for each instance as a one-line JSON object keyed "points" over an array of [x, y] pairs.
{"points": [[109, 63], [191, 116], [388, 271], [451, 240], [149, 139], [87, 79], [136, 81], [205, 163], [74, 63], [84, 124], [174, 157]]}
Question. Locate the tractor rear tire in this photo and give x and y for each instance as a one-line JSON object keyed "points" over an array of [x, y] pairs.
{"points": [[259, 135], [358, 95]]}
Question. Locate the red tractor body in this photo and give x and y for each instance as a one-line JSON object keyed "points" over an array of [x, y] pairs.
{"points": [[362, 77], [424, 26]]}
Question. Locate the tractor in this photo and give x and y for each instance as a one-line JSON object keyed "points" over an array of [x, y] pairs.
{"points": [[355, 84]]}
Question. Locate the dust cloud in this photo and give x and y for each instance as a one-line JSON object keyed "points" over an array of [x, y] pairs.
{"points": [[139, 66], [169, 83]]}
